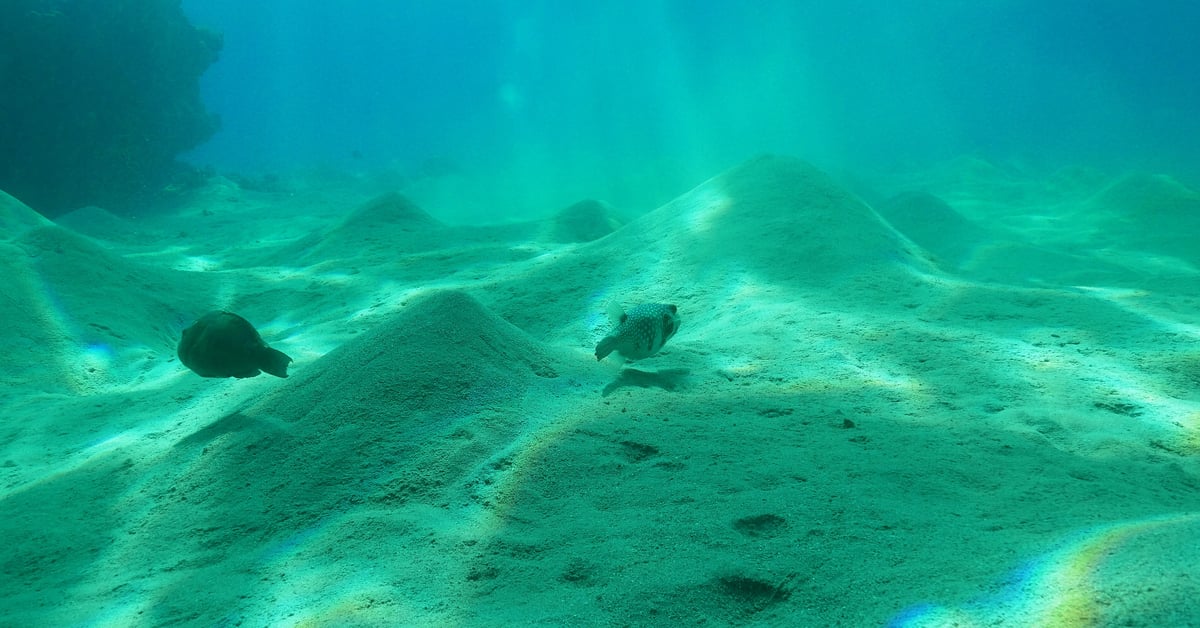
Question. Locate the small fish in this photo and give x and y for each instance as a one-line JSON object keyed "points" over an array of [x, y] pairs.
{"points": [[641, 331], [223, 344]]}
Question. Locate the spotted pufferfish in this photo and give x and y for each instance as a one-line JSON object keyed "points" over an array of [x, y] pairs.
{"points": [[641, 332]]}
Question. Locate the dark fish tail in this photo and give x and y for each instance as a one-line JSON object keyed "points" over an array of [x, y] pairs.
{"points": [[274, 362]]}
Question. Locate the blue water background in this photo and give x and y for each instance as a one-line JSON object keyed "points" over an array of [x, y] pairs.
{"points": [[638, 100]]}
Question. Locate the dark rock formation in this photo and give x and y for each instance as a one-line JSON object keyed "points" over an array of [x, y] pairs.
{"points": [[99, 98]]}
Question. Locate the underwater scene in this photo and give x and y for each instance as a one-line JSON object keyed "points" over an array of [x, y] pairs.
{"points": [[657, 313]]}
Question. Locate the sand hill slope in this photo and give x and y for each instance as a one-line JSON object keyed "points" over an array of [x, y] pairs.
{"points": [[439, 350], [771, 222], [1152, 213], [775, 216], [16, 217], [77, 308], [934, 225], [1074, 226], [389, 222], [419, 412], [423, 412], [841, 433]]}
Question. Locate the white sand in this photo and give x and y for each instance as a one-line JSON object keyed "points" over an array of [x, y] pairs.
{"points": [[990, 421]]}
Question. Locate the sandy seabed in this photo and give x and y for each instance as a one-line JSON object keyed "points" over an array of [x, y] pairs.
{"points": [[970, 399]]}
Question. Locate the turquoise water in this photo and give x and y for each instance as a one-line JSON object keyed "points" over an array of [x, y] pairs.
{"points": [[633, 101], [917, 344]]}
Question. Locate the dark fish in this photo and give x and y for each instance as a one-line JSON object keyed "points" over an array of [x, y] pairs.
{"points": [[641, 331], [223, 344]]}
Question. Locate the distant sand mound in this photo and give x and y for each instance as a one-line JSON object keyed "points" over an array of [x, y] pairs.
{"points": [[387, 222], [1154, 198], [583, 222], [443, 351], [1154, 212], [392, 211], [779, 215], [100, 223], [932, 223], [770, 220], [17, 217]]}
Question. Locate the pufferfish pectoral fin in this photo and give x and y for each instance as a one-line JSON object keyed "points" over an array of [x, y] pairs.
{"points": [[605, 347]]}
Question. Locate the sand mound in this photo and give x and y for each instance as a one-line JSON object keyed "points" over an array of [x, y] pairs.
{"points": [[583, 222], [99, 223], [1152, 212], [413, 412], [932, 223], [768, 223], [443, 350], [1157, 199], [782, 216], [84, 311], [798, 454], [387, 223], [16, 217], [29, 336], [392, 211]]}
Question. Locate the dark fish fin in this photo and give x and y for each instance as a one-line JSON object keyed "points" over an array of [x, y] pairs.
{"points": [[274, 362], [605, 347]]}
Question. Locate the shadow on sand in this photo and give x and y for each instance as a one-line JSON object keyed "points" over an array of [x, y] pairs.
{"points": [[668, 379]]}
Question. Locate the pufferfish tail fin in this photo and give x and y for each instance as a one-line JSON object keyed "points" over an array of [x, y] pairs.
{"points": [[605, 347], [616, 313]]}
